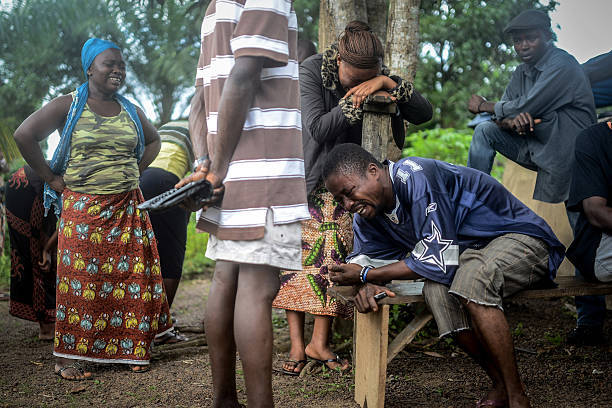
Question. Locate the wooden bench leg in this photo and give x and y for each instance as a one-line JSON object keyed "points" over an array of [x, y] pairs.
{"points": [[408, 334], [370, 360]]}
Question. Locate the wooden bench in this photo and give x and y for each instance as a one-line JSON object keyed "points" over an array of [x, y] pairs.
{"points": [[372, 352]]}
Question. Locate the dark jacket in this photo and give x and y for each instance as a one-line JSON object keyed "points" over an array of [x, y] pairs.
{"points": [[324, 125]]}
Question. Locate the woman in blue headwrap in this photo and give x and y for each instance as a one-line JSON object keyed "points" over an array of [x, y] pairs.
{"points": [[110, 302]]}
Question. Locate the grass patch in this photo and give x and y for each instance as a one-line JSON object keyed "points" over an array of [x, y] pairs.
{"points": [[196, 263], [553, 338]]}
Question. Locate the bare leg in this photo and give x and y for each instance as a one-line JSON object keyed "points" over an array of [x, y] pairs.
{"points": [[46, 331], [468, 340], [219, 323], [295, 320], [319, 343], [257, 288], [170, 286], [494, 333]]}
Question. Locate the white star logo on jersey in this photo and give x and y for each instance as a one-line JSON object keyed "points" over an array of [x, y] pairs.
{"points": [[434, 247]]}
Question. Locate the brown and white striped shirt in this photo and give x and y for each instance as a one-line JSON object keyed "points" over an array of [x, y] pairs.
{"points": [[266, 171]]}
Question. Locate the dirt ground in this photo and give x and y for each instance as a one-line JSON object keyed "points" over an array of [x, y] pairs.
{"points": [[556, 375]]}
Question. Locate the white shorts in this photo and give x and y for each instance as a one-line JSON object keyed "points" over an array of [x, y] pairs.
{"points": [[281, 247]]}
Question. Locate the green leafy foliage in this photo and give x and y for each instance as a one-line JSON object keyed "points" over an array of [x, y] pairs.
{"points": [[307, 12], [161, 46], [40, 44], [449, 145]]}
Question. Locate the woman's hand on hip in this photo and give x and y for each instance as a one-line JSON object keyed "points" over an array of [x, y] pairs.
{"points": [[57, 183]]}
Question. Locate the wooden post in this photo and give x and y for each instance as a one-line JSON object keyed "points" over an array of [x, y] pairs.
{"points": [[371, 336], [371, 339], [377, 135]]}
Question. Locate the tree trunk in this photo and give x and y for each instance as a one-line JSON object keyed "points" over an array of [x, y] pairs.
{"points": [[402, 48], [334, 15], [377, 18], [166, 107]]}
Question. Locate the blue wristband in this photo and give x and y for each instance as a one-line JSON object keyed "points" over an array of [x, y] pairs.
{"points": [[364, 273]]}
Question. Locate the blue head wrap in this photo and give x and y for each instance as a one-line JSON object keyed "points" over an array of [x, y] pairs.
{"points": [[92, 48]]}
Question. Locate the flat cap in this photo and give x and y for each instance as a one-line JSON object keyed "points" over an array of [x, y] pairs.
{"points": [[528, 20]]}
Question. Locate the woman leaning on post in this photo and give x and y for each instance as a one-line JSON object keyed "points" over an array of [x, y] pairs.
{"points": [[333, 86]]}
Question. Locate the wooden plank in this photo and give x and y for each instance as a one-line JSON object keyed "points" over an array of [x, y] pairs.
{"points": [[568, 286], [408, 334], [371, 340], [408, 292], [412, 294]]}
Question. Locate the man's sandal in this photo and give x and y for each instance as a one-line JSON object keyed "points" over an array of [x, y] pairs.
{"points": [[170, 337], [78, 368], [294, 364]]}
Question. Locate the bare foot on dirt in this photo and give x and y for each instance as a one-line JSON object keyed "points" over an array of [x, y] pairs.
{"points": [[327, 357], [496, 397], [46, 331], [70, 370]]}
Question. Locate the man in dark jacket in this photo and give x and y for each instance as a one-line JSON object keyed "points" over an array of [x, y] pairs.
{"points": [[551, 86]]}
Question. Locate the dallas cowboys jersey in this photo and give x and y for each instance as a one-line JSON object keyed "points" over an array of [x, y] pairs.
{"points": [[442, 209]]}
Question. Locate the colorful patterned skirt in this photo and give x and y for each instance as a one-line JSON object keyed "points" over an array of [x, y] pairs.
{"points": [[327, 238], [110, 297], [32, 289]]}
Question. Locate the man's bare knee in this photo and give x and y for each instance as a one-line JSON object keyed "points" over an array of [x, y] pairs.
{"points": [[226, 273], [259, 281]]}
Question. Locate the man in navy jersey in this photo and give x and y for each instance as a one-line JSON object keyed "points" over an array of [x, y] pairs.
{"points": [[461, 230]]}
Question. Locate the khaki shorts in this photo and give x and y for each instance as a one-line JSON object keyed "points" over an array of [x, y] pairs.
{"points": [[281, 247], [603, 259], [507, 265]]}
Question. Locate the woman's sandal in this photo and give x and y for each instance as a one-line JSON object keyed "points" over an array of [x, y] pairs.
{"points": [[139, 369], [295, 364], [336, 359], [78, 368]]}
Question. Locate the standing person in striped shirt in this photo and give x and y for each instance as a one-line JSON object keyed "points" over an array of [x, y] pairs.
{"points": [[246, 115]]}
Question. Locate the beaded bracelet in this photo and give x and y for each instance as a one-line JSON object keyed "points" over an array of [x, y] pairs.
{"points": [[364, 273]]}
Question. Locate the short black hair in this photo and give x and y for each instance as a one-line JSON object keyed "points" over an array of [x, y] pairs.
{"points": [[348, 158]]}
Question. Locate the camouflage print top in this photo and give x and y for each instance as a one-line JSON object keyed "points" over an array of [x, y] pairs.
{"points": [[102, 157]]}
